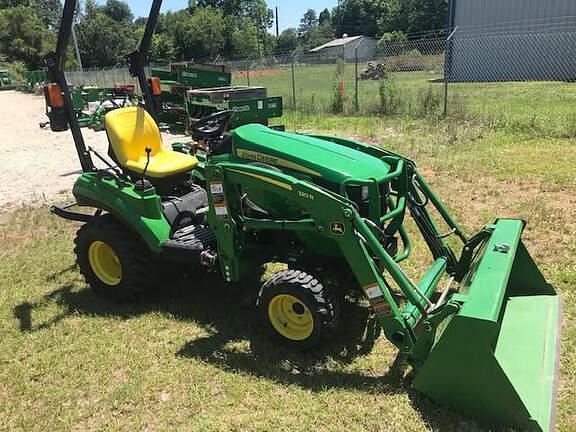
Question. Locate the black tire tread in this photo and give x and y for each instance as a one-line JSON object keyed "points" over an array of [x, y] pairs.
{"points": [[325, 298], [137, 268]]}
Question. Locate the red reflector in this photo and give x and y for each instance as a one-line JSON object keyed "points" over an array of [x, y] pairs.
{"points": [[55, 97], [155, 85]]}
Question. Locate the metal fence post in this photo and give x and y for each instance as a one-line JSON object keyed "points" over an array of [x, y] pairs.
{"points": [[356, 101], [248, 72], [293, 83]]}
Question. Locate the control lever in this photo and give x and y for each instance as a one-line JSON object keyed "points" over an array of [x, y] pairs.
{"points": [[148, 150], [143, 184]]}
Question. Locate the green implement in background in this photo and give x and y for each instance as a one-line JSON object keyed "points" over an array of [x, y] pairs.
{"points": [[246, 111], [194, 76], [5, 80], [191, 91]]}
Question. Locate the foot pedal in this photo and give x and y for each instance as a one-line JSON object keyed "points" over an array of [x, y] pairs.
{"points": [[189, 242]]}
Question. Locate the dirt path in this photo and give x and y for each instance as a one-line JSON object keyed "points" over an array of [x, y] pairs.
{"points": [[39, 166]]}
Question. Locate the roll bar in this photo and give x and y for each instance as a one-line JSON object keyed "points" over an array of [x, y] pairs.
{"points": [[139, 58], [55, 63]]}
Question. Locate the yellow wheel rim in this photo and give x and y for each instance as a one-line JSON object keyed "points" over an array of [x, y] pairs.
{"points": [[105, 263], [290, 317]]}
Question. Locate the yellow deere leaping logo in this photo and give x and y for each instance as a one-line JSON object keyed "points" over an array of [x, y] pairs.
{"points": [[337, 228], [260, 157]]}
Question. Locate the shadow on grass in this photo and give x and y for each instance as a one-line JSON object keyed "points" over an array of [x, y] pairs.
{"points": [[237, 343]]}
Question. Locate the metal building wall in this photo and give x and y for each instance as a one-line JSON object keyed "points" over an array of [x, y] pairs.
{"points": [[512, 40]]}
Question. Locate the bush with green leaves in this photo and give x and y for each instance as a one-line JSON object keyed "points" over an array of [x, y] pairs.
{"points": [[389, 97], [338, 92]]}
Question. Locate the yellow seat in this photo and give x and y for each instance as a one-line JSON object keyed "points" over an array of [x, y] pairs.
{"points": [[130, 131]]}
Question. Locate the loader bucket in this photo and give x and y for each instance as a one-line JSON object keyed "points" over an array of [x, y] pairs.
{"points": [[496, 359]]}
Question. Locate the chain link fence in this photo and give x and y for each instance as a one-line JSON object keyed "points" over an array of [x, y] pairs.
{"points": [[518, 80]]}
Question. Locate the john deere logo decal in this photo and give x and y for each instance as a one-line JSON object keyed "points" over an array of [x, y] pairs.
{"points": [[337, 228]]}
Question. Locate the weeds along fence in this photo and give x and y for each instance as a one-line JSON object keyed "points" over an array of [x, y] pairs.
{"points": [[520, 81]]}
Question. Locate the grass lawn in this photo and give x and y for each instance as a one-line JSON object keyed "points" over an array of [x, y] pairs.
{"points": [[191, 356], [543, 108]]}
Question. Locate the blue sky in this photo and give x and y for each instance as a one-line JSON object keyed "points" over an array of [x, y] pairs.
{"points": [[290, 11]]}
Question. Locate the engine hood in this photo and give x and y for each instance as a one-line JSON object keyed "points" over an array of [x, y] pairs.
{"points": [[313, 156]]}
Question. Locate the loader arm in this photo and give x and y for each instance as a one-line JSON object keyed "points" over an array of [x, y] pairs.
{"points": [[487, 348], [417, 194], [335, 218]]}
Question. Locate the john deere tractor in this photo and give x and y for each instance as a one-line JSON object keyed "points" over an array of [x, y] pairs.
{"points": [[480, 327]]}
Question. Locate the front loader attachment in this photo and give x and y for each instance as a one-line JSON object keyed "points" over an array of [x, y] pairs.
{"points": [[495, 359], [489, 350]]}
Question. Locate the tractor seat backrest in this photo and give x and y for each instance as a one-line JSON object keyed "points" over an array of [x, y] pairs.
{"points": [[130, 131]]}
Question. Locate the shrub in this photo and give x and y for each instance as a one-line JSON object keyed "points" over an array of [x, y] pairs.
{"points": [[338, 96], [390, 100], [395, 37], [429, 101]]}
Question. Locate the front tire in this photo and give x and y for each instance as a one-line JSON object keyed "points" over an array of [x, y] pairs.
{"points": [[112, 260], [296, 308]]}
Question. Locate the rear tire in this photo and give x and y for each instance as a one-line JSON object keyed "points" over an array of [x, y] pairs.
{"points": [[297, 309], [112, 260]]}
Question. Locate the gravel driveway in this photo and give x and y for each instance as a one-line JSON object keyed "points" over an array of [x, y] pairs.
{"points": [[37, 165]]}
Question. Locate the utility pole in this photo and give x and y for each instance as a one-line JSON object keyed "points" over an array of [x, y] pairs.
{"points": [[76, 48], [277, 25]]}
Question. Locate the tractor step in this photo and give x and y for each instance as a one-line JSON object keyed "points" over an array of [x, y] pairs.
{"points": [[189, 242]]}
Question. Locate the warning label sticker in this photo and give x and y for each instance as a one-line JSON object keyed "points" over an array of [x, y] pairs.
{"points": [[221, 211], [373, 291], [216, 188], [382, 309]]}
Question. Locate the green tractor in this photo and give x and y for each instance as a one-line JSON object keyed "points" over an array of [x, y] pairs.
{"points": [[334, 211]]}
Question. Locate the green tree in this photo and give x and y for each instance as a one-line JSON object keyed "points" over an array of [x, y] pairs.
{"points": [[162, 49], [198, 36], [21, 36], [49, 12], [287, 40], [365, 17], [118, 10], [392, 38], [5, 4], [422, 15], [227, 7], [319, 35], [244, 39], [102, 40], [90, 7], [256, 10], [325, 17], [262, 17], [311, 32], [142, 21], [307, 22]]}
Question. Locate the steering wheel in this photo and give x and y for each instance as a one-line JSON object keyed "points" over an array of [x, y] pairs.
{"points": [[213, 125]]}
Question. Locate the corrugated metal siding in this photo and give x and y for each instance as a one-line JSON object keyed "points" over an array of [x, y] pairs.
{"points": [[511, 14], [507, 40], [366, 50]]}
